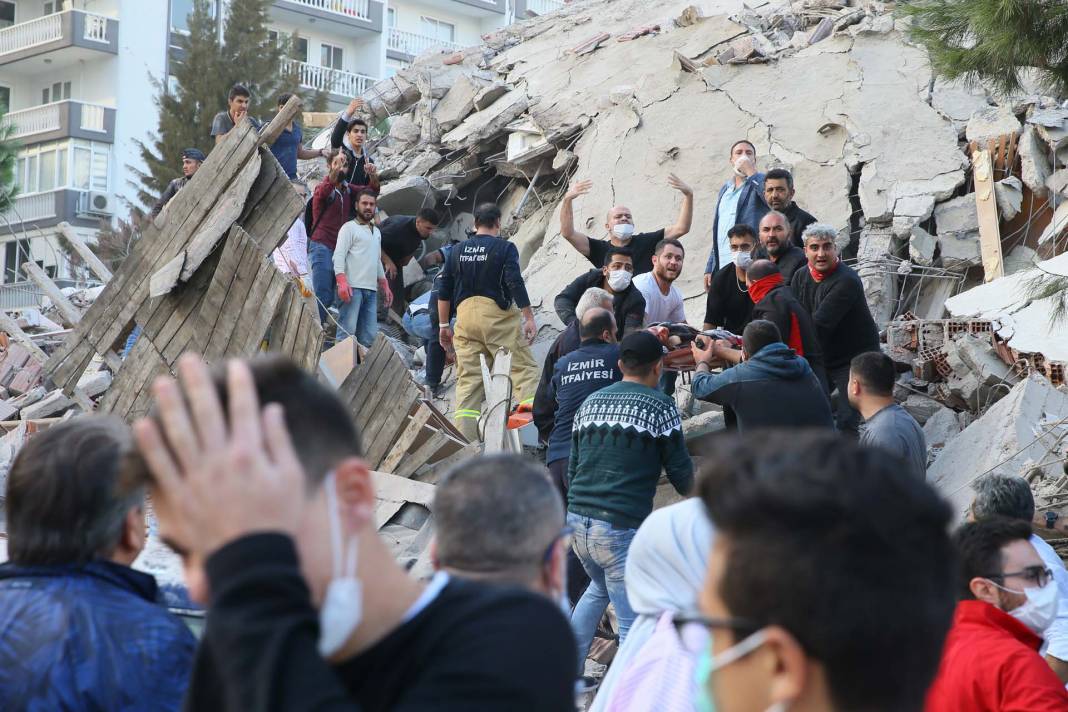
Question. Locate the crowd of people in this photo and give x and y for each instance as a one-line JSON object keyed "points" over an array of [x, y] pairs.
{"points": [[806, 563]]}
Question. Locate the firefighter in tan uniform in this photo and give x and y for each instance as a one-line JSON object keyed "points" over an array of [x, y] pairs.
{"points": [[482, 278]]}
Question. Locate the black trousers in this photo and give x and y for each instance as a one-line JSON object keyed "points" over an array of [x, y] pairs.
{"points": [[846, 418]]}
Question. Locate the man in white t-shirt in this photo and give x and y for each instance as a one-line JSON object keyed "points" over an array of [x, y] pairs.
{"points": [[663, 300]]}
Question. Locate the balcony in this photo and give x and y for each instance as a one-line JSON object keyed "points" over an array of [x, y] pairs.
{"points": [[34, 211], [525, 8], [480, 8], [406, 45], [360, 15], [63, 119], [344, 85], [58, 40]]}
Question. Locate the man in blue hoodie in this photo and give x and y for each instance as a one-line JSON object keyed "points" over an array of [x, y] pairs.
{"points": [[771, 387]]}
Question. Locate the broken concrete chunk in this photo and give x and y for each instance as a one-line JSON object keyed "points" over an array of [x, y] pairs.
{"points": [[1034, 163], [1052, 126], [1020, 258], [31, 396], [93, 384], [960, 251], [922, 246], [1057, 225], [690, 15], [1058, 182], [957, 217], [957, 102], [407, 196], [992, 123], [1011, 438], [922, 408], [52, 404], [422, 163], [1009, 195], [915, 206], [941, 427], [487, 95], [458, 103], [488, 122], [404, 130]]}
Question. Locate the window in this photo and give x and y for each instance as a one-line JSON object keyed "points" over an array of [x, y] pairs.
{"points": [[7, 13], [47, 160], [180, 12], [391, 18], [437, 29], [89, 169], [77, 164], [299, 49], [51, 8], [57, 92], [16, 253], [330, 57], [5, 99]]}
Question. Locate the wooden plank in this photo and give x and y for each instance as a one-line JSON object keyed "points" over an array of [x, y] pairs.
{"points": [[392, 488], [374, 422], [289, 111], [422, 455], [351, 388], [69, 314], [432, 471], [99, 270], [987, 207], [16, 334], [410, 432]]}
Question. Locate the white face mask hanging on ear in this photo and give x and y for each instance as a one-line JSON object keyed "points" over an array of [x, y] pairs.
{"points": [[342, 608]]}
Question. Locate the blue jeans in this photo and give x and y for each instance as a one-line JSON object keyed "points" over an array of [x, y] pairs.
{"points": [[602, 548], [359, 316], [321, 260]]}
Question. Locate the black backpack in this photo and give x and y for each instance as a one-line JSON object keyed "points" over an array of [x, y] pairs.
{"points": [[309, 223]]}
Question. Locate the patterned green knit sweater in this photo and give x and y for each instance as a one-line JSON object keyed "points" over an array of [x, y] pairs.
{"points": [[622, 437]]}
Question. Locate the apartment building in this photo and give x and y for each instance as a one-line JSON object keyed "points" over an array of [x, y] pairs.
{"points": [[65, 69], [77, 81]]}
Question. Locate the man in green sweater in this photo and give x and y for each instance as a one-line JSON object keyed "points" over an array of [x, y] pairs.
{"points": [[623, 436]]}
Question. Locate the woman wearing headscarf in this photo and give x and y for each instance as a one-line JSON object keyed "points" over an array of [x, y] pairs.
{"points": [[666, 567]]}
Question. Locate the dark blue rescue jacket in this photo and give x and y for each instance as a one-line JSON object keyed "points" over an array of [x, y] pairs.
{"points": [[589, 368], [89, 637], [483, 266]]}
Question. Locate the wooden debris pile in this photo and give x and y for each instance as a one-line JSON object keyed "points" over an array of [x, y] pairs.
{"points": [[200, 279]]}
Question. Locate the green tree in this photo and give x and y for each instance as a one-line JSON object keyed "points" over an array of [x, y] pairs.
{"points": [[9, 149], [994, 40], [207, 69]]}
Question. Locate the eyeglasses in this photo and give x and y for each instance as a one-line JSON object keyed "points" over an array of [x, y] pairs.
{"points": [[565, 533], [1038, 575], [693, 630]]}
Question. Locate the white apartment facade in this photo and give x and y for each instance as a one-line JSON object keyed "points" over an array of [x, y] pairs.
{"points": [[77, 82]]}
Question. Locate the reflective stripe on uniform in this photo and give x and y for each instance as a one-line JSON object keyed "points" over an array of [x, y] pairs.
{"points": [[468, 414]]}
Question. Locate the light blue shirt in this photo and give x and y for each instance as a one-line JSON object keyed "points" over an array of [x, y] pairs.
{"points": [[728, 218]]}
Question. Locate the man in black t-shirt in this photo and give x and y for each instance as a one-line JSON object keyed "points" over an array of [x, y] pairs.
{"points": [[619, 227], [779, 195], [401, 237], [728, 304], [273, 513]]}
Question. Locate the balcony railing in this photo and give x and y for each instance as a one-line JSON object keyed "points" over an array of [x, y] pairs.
{"points": [[51, 28], [543, 7], [413, 43], [335, 81], [32, 207], [30, 34], [351, 8], [49, 117]]}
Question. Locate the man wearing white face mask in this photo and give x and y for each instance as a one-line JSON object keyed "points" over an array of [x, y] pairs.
{"points": [[273, 513], [619, 226], [728, 305], [819, 596], [1008, 600], [615, 277]]}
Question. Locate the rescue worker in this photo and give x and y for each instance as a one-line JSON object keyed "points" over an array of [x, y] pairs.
{"points": [[482, 278], [191, 160]]}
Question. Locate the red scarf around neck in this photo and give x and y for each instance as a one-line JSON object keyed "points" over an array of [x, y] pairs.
{"points": [[820, 276], [758, 290]]}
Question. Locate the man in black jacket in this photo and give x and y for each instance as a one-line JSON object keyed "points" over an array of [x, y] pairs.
{"points": [[350, 136], [401, 237], [567, 341], [191, 160], [772, 387], [777, 245], [728, 305], [774, 301], [308, 610], [615, 278], [779, 195], [834, 296]]}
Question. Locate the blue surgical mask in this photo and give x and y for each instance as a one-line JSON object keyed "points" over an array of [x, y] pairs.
{"points": [[707, 663]]}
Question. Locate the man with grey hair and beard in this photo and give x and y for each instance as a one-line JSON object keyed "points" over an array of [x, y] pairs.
{"points": [[565, 343], [1010, 496], [834, 296]]}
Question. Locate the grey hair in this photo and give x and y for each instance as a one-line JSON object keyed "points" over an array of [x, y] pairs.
{"points": [[1003, 495], [593, 297], [785, 220], [496, 516], [820, 230]]}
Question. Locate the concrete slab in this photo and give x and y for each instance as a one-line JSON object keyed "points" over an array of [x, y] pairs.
{"points": [[991, 123], [1016, 434]]}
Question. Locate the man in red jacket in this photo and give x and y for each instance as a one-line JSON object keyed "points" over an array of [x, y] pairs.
{"points": [[1008, 599]]}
